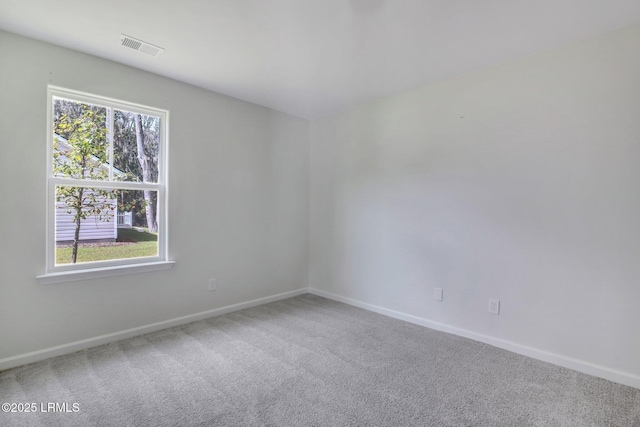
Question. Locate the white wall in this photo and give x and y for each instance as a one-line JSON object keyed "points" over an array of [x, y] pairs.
{"points": [[238, 202], [520, 182]]}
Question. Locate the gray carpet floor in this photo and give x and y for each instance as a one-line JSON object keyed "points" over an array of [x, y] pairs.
{"points": [[309, 361]]}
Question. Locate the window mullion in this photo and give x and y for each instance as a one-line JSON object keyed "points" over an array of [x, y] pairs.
{"points": [[116, 185], [110, 140]]}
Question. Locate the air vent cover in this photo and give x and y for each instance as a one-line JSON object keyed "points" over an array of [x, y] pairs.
{"points": [[141, 46]]}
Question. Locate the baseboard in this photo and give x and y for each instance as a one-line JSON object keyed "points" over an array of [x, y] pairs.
{"points": [[35, 356], [557, 359]]}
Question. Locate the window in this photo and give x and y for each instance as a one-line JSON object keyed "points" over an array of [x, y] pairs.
{"points": [[106, 187]]}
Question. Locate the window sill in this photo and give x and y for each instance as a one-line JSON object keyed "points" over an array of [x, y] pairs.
{"points": [[95, 273]]}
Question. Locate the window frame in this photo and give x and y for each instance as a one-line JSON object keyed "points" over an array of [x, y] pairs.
{"points": [[86, 270]]}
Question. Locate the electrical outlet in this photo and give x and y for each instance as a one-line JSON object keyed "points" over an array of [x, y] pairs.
{"points": [[494, 306], [437, 294], [213, 284]]}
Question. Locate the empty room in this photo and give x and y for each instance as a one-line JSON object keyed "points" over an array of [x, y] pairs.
{"points": [[320, 213]]}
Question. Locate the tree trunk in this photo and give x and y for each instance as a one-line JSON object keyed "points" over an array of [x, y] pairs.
{"points": [[78, 218], [150, 208], [156, 218]]}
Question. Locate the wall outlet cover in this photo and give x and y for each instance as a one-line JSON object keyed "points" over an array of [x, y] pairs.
{"points": [[437, 294], [494, 306]]}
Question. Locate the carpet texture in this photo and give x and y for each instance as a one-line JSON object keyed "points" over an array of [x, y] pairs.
{"points": [[309, 361]]}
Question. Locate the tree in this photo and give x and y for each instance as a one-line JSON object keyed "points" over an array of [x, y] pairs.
{"points": [[83, 157], [136, 145], [150, 207]]}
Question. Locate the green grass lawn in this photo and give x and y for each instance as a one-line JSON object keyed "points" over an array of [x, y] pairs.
{"points": [[144, 244], [133, 235]]}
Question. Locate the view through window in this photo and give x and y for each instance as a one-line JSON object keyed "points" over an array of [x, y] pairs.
{"points": [[106, 181]]}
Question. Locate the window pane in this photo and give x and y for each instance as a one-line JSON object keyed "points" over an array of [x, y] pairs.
{"points": [[99, 225], [136, 145], [80, 146]]}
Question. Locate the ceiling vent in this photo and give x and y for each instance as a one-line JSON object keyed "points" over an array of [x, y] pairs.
{"points": [[141, 46]]}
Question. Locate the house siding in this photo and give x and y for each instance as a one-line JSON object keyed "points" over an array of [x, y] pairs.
{"points": [[91, 228]]}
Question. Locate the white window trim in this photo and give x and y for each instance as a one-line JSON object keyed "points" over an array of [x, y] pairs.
{"points": [[96, 273], [89, 270]]}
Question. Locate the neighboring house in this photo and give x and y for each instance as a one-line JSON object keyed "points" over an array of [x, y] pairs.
{"points": [[92, 229]]}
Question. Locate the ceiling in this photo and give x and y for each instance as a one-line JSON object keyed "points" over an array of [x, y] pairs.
{"points": [[312, 58]]}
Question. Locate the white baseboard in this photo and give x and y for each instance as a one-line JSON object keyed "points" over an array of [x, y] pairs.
{"points": [[557, 359], [35, 356]]}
